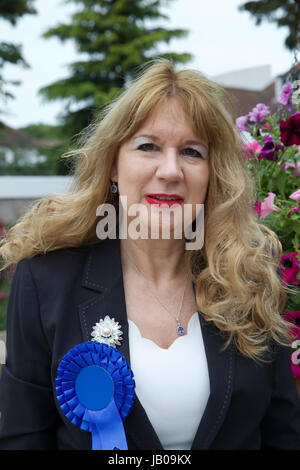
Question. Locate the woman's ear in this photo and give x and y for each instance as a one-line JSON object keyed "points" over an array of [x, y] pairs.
{"points": [[114, 168], [114, 173]]}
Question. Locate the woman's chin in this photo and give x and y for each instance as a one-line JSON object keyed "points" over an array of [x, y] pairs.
{"points": [[154, 229]]}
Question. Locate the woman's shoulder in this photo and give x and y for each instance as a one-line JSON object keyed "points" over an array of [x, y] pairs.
{"points": [[60, 260], [65, 264], [56, 266]]}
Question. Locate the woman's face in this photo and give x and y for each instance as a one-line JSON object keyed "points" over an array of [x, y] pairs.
{"points": [[164, 157]]}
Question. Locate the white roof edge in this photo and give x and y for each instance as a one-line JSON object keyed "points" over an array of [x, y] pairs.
{"points": [[31, 187]]}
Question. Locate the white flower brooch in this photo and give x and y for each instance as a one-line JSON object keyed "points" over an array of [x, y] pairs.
{"points": [[107, 331]]}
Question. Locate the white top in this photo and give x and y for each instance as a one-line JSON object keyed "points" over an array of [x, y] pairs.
{"points": [[172, 384]]}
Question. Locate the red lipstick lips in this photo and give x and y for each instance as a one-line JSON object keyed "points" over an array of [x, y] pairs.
{"points": [[163, 198]]}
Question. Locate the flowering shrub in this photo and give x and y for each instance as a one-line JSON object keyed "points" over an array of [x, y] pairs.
{"points": [[273, 160]]}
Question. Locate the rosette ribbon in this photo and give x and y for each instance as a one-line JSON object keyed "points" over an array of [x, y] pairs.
{"points": [[95, 391]]}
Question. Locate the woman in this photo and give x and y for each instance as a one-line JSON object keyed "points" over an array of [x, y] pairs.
{"points": [[202, 328]]}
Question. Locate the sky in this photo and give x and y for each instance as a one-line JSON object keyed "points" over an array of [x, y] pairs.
{"points": [[221, 39]]}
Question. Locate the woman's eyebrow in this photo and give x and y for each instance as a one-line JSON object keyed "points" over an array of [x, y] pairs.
{"points": [[187, 142], [147, 136], [196, 142]]}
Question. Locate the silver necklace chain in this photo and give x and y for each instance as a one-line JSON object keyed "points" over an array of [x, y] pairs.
{"points": [[180, 329]]}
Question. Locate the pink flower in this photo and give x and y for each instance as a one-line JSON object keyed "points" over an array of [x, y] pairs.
{"points": [[289, 268], [268, 206], [252, 148], [266, 126], [293, 210], [297, 169], [259, 113], [240, 123], [3, 295], [296, 196], [285, 96], [294, 319], [257, 208], [286, 165]]}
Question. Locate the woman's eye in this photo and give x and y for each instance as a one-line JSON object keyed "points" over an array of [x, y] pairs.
{"points": [[192, 152], [146, 147], [188, 151]]}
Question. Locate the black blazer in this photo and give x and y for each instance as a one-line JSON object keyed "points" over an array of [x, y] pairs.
{"points": [[54, 302]]}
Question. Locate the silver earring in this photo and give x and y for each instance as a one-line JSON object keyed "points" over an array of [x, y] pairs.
{"points": [[114, 187]]}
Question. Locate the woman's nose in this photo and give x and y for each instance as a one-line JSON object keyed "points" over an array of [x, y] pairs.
{"points": [[169, 165]]}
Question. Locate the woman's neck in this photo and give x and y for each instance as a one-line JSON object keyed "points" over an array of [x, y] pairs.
{"points": [[157, 260]]}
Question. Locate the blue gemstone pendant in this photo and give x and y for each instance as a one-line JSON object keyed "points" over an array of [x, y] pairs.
{"points": [[180, 330]]}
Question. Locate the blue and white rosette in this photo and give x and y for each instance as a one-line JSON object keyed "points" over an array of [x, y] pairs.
{"points": [[95, 391]]}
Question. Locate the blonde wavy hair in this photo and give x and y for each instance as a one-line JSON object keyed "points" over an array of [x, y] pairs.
{"points": [[235, 273]]}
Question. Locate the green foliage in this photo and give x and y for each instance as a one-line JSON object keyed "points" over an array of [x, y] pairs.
{"points": [[44, 131], [116, 38], [12, 10], [285, 14]]}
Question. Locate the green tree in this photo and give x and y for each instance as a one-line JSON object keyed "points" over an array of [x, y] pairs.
{"points": [[283, 13], [12, 10], [115, 37]]}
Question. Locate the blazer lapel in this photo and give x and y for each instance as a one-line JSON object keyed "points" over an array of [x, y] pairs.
{"points": [[103, 274], [221, 374], [103, 278]]}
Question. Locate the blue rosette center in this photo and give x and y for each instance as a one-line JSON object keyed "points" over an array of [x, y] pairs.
{"points": [[98, 396]]}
